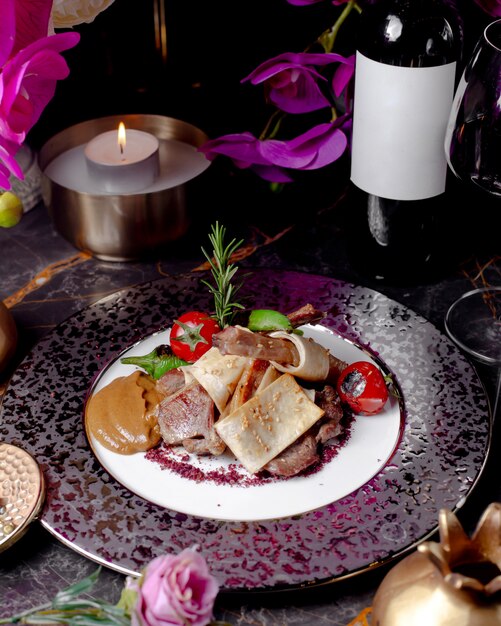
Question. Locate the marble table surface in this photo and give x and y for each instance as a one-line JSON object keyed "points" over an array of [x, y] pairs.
{"points": [[44, 280]]}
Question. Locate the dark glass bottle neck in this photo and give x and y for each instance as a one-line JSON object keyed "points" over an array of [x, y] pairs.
{"points": [[410, 33]]}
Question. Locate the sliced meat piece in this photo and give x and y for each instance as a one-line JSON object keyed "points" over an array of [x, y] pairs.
{"points": [[242, 342], [336, 366], [187, 413], [248, 384], [328, 400], [170, 382], [211, 444], [307, 314], [329, 426], [328, 430], [296, 458]]}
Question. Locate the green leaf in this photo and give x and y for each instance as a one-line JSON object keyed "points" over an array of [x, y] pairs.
{"points": [[73, 591], [69, 609], [127, 601]]}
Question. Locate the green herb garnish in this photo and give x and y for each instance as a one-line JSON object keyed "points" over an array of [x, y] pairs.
{"points": [[223, 271]]}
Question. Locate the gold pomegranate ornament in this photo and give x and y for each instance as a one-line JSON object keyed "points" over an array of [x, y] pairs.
{"points": [[456, 582]]}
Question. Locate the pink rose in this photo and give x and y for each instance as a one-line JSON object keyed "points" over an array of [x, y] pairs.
{"points": [[176, 591]]}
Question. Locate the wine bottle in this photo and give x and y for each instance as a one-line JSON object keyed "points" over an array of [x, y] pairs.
{"points": [[407, 65]]}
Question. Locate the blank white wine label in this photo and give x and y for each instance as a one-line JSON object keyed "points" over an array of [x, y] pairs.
{"points": [[399, 121]]}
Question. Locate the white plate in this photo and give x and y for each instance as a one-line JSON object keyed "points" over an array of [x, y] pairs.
{"points": [[371, 443]]}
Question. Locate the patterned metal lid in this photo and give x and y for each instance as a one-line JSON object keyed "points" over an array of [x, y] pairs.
{"points": [[22, 491]]}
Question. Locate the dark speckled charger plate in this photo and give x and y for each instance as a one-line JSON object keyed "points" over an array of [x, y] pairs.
{"points": [[439, 459]]}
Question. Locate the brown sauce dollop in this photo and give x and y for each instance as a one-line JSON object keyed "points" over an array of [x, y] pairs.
{"points": [[122, 416]]}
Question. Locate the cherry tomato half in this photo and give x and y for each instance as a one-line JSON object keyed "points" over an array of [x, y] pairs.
{"points": [[191, 335], [363, 388]]}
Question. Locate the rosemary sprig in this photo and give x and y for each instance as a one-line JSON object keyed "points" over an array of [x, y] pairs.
{"points": [[223, 272]]}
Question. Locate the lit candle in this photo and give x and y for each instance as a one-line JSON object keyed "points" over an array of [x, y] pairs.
{"points": [[123, 161]]}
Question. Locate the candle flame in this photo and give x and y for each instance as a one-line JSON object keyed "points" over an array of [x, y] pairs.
{"points": [[121, 137]]}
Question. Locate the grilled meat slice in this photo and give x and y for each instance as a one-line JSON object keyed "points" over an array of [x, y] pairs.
{"points": [[188, 414], [210, 444], [242, 342], [248, 384], [336, 366], [307, 314], [296, 458], [170, 382], [329, 426]]}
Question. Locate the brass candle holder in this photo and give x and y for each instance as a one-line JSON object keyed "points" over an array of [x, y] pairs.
{"points": [[127, 226]]}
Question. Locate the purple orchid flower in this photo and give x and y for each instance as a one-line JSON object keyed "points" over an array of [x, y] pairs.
{"points": [[245, 152], [271, 158], [316, 148], [32, 65], [292, 79]]}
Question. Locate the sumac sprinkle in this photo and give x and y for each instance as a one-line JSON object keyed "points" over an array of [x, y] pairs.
{"points": [[178, 461]]}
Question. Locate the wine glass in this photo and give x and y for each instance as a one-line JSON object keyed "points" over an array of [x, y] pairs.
{"points": [[473, 135], [473, 152], [473, 322]]}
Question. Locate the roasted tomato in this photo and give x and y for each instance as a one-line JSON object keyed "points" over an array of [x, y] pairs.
{"points": [[191, 335], [362, 387]]}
